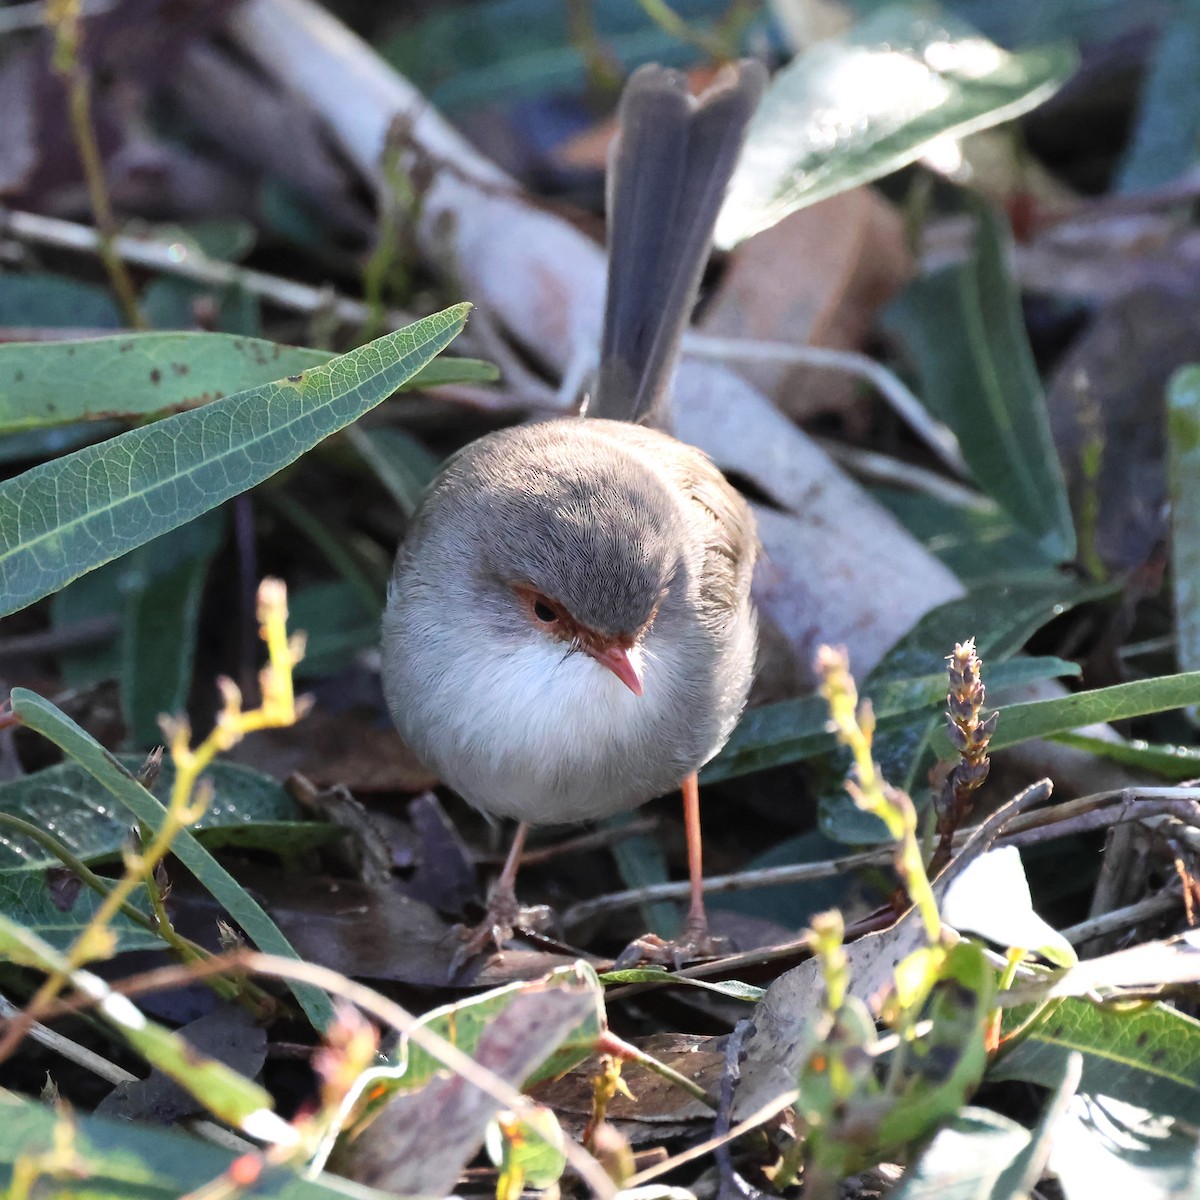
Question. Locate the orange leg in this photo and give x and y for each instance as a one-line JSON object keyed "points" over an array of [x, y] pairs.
{"points": [[697, 919]]}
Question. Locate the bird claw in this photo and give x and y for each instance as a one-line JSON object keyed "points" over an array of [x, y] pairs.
{"points": [[504, 914], [694, 944]]}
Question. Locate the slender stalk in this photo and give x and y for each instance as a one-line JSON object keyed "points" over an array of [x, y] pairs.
{"points": [[64, 18]]}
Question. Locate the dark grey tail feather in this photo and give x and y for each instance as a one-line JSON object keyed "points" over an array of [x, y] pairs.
{"points": [[666, 180]]}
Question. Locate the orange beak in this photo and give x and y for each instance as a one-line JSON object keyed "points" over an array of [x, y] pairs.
{"points": [[616, 659]]}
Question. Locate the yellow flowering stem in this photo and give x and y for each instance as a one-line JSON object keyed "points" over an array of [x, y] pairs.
{"points": [[855, 728]]}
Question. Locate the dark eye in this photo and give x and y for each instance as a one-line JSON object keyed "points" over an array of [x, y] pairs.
{"points": [[544, 612]]}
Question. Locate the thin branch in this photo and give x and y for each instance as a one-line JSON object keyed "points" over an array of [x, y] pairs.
{"points": [[189, 262], [110, 1072], [65, 19], [936, 435], [1122, 918]]}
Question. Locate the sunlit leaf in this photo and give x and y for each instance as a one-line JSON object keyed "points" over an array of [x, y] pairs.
{"points": [[966, 1160], [119, 1160], [64, 518], [853, 108], [135, 375], [1150, 1053], [1122, 702]]}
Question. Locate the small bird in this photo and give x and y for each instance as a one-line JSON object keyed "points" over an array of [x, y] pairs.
{"points": [[569, 631]]}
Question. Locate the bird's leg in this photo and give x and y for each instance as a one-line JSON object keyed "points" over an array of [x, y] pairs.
{"points": [[696, 941], [503, 910], [695, 932]]}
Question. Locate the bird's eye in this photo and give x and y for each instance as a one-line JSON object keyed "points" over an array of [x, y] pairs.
{"points": [[544, 612]]}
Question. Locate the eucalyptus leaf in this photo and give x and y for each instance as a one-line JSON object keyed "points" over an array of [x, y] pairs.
{"points": [[794, 730], [64, 518], [135, 375], [1149, 1053], [68, 803], [966, 1160], [58, 914], [853, 108], [1122, 702]]}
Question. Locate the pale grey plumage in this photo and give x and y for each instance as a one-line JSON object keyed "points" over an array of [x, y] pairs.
{"points": [[634, 535], [661, 527]]}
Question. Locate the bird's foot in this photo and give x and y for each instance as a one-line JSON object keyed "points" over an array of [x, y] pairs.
{"points": [[504, 914], [692, 945]]}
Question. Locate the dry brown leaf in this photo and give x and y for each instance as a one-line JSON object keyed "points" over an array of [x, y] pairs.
{"points": [[421, 1141], [817, 278]]}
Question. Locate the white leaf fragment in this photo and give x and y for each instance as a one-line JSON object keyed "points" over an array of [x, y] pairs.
{"points": [[991, 898]]}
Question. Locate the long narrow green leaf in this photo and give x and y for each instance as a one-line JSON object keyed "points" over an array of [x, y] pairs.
{"points": [[136, 375], [1183, 473], [965, 327], [118, 1160], [1122, 702], [66, 517], [40, 715], [792, 730], [219, 1088]]}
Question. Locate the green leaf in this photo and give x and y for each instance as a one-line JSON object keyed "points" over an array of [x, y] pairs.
{"points": [[120, 1160], [64, 518], [137, 375], [162, 584], [517, 49], [336, 624], [67, 802], [1172, 762], [55, 302], [464, 1024], [1001, 619], [793, 730], [58, 919], [1149, 1054], [966, 1160], [734, 989], [1183, 475], [980, 545], [527, 1151], [225, 1093], [857, 107], [1122, 702], [957, 1018], [964, 326], [40, 715], [1104, 1146]]}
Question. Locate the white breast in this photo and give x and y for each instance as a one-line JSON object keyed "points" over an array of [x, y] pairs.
{"points": [[524, 729]]}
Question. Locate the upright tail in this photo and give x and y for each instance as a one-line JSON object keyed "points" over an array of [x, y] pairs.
{"points": [[666, 180]]}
